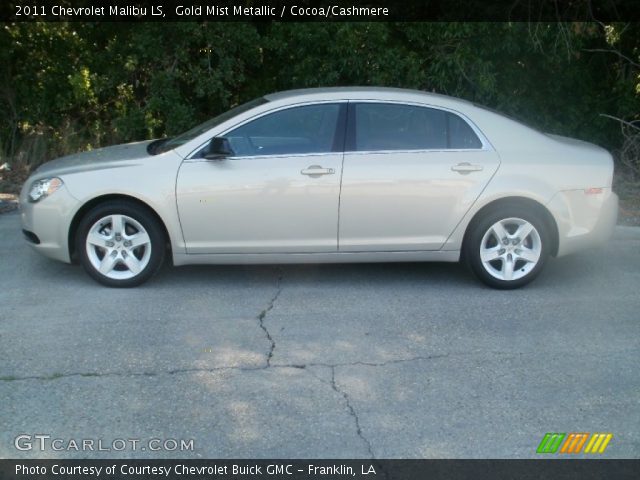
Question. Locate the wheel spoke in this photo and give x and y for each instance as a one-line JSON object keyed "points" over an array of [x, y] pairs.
{"points": [[139, 239], [523, 231], [489, 254], [507, 268], [94, 238], [499, 231], [132, 263], [107, 263], [528, 255], [117, 224]]}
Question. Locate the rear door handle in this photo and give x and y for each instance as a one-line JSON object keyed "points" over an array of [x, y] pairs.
{"points": [[465, 168], [317, 171]]}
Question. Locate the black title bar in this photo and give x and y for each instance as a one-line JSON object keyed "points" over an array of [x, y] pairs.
{"points": [[557, 469], [310, 10]]}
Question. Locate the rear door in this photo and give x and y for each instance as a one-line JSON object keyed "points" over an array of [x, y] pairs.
{"points": [[410, 173]]}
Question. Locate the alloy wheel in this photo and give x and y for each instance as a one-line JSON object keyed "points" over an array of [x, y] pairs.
{"points": [[510, 249], [118, 247]]}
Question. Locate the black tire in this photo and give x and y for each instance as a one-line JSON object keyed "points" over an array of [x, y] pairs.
{"points": [[482, 225], [135, 213]]}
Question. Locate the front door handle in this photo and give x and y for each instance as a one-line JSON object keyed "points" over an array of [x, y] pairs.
{"points": [[317, 171], [465, 168]]}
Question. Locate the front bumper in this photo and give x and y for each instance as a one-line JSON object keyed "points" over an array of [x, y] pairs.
{"points": [[45, 224], [583, 220]]}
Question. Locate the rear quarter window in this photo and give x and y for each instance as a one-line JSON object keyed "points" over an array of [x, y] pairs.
{"points": [[461, 135]]}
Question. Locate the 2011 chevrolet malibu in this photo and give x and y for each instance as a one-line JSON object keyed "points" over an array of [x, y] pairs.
{"points": [[328, 175]]}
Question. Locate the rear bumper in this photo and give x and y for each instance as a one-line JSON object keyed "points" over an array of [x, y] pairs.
{"points": [[583, 220]]}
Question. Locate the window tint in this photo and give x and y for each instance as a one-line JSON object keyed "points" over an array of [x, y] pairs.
{"points": [[298, 130], [461, 135], [387, 126]]}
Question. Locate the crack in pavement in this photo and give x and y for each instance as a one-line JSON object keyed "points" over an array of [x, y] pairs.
{"points": [[352, 412], [347, 401], [262, 315], [57, 376], [268, 365], [334, 386], [299, 366]]}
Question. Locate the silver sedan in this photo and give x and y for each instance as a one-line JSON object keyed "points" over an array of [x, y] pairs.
{"points": [[328, 175]]}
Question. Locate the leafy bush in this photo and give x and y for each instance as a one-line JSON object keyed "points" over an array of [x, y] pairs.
{"points": [[68, 87]]}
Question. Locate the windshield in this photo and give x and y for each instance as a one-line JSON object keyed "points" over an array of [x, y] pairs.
{"points": [[167, 144]]}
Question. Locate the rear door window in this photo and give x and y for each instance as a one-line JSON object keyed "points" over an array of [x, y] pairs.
{"points": [[390, 126]]}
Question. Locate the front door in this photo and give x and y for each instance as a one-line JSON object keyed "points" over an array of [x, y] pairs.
{"points": [[277, 193]]}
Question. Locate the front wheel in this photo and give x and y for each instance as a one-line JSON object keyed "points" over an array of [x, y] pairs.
{"points": [[507, 247], [120, 244]]}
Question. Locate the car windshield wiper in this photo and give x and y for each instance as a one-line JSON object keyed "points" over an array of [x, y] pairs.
{"points": [[154, 147]]}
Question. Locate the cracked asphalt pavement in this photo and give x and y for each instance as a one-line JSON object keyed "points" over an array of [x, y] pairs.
{"points": [[320, 361]]}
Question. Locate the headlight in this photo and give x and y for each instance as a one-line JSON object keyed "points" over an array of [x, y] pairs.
{"points": [[43, 188]]}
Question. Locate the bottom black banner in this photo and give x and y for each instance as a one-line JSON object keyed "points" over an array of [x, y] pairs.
{"points": [[319, 469]]}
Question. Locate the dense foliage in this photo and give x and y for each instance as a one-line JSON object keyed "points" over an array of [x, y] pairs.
{"points": [[73, 86]]}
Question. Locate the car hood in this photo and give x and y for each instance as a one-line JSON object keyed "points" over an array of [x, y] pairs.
{"points": [[101, 158]]}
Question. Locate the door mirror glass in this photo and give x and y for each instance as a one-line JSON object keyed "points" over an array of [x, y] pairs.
{"points": [[218, 149]]}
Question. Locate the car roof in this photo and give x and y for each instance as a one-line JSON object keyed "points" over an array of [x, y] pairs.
{"points": [[361, 93]]}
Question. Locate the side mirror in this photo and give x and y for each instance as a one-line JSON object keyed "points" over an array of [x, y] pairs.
{"points": [[219, 148]]}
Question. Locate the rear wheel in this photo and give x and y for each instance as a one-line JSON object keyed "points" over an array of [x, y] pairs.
{"points": [[120, 244], [507, 247]]}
